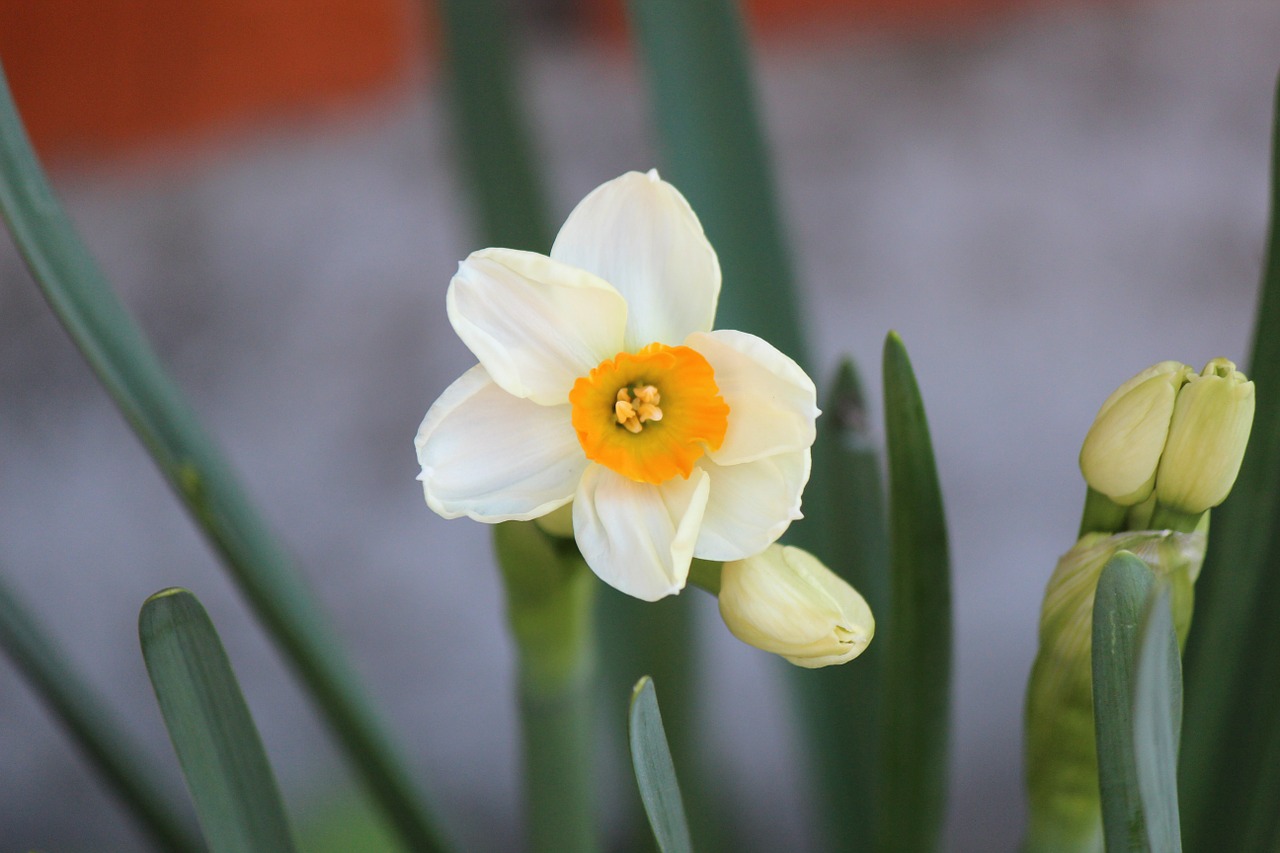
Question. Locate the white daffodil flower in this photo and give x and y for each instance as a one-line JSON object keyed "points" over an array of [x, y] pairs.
{"points": [[601, 383]]}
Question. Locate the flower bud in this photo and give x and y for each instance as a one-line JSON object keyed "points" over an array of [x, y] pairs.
{"points": [[1122, 450], [785, 601], [1207, 437]]}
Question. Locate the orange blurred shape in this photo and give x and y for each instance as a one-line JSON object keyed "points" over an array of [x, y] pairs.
{"points": [[100, 77]]}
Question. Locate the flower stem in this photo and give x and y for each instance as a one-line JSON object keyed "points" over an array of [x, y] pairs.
{"points": [[1101, 515], [550, 593]]}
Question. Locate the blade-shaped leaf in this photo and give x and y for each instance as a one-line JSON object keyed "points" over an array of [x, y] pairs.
{"points": [[152, 404], [493, 143], [845, 524], [1230, 762], [655, 773], [213, 734], [1124, 587], [695, 58], [714, 151], [94, 728], [917, 668], [1157, 723]]}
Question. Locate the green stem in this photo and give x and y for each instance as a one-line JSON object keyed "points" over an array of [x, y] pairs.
{"points": [[1164, 518], [550, 594], [705, 574], [1101, 515]]}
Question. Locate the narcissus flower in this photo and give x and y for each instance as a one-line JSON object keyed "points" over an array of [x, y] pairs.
{"points": [[601, 383], [1171, 432], [786, 601]]}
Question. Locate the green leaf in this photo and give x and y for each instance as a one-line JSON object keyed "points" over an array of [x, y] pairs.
{"points": [[96, 730], [917, 667], [493, 143], [154, 407], [845, 525], [1157, 722], [710, 135], [655, 772], [1123, 590], [1230, 762], [216, 741]]}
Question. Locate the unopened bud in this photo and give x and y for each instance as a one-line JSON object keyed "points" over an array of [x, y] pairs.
{"points": [[1122, 450], [1207, 438], [785, 601]]}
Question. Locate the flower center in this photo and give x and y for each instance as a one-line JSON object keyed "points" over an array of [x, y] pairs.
{"points": [[649, 415]]}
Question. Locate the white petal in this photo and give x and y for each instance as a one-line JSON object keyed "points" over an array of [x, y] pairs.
{"points": [[772, 402], [639, 234], [495, 457], [535, 324], [639, 537], [751, 504]]}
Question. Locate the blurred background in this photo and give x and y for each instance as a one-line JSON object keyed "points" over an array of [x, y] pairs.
{"points": [[1042, 197]]}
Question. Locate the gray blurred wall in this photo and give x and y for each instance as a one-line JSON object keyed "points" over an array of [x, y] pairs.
{"points": [[1041, 210]]}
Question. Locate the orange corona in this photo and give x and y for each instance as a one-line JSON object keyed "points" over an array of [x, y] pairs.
{"points": [[650, 415]]}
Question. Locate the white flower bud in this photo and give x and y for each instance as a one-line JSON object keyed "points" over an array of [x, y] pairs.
{"points": [[1207, 438], [1122, 450], [785, 601]]}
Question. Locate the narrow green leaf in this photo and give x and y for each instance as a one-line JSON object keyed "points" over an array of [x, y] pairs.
{"points": [[655, 772], [95, 729], [713, 146], [1230, 761], [119, 354], [1123, 590], [917, 666], [845, 525], [216, 741], [1157, 723], [493, 143], [711, 140], [550, 594]]}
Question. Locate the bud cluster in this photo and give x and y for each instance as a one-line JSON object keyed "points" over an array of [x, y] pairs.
{"points": [[1171, 434]]}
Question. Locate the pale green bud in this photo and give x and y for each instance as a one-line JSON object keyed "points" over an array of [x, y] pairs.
{"points": [[785, 601], [1061, 751], [1122, 450], [1207, 437]]}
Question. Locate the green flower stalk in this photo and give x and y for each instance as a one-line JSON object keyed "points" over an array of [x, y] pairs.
{"points": [[1061, 758], [785, 601], [1164, 449]]}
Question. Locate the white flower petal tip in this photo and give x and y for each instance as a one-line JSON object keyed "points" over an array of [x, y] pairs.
{"points": [[638, 233], [475, 464], [785, 601], [638, 537]]}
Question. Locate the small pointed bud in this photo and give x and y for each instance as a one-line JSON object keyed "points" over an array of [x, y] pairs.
{"points": [[1207, 438], [1121, 452], [785, 601]]}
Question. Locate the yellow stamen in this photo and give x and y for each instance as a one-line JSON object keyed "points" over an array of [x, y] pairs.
{"points": [[663, 432]]}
